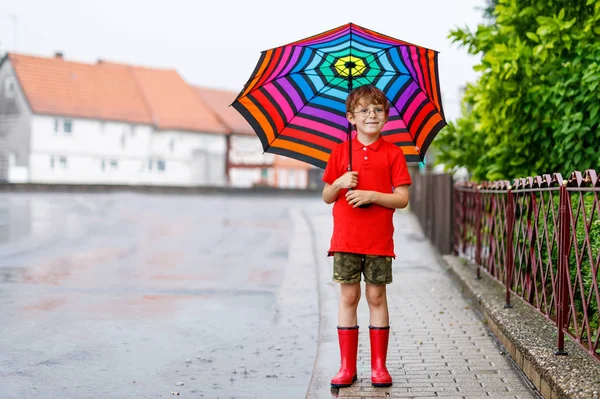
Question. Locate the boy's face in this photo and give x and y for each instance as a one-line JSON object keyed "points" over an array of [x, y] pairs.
{"points": [[368, 118]]}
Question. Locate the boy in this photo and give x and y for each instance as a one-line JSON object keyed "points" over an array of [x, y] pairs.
{"points": [[362, 233]]}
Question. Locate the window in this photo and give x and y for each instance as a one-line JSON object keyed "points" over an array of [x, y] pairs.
{"points": [[103, 165], [58, 161], [114, 164], [158, 164], [10, 87], [123, 141], [68, 126], [172, 144], [64, 126]]}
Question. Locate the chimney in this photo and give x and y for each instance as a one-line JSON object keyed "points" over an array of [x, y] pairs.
{"points": [[59, 55]]}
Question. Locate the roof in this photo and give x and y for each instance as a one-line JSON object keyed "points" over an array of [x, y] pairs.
{"points": [[219, 101], [112, 91]]}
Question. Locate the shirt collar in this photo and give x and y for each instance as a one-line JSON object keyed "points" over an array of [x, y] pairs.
{"points": [[357, 145]]}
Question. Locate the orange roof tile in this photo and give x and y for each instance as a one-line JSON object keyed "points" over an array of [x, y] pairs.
{"points": [[219, 101], [58, 87], [112, 91], [173, 102]]}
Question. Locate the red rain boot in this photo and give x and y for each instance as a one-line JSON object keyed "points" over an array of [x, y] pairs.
{"points": [[348, 338], [379, 345]]}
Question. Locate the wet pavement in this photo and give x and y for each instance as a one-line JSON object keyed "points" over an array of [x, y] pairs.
{"points": [[148, 296]]}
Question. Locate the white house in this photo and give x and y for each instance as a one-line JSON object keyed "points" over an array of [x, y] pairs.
{"points": [[105, 123]]}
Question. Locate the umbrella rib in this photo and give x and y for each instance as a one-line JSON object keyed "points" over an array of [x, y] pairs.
{"points": [[320, 91], [258, 77], [419, 88], [396, 108], [323, 56]]}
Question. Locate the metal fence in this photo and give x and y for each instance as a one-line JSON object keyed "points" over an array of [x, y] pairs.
{"points": [[431, 202], [540, 237]]}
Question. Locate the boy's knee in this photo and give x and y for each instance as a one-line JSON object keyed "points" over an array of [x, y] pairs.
{"points": [[375, 297], [350, 297]]}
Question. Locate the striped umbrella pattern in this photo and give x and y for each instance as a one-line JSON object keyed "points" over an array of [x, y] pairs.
{"points": [[295, 98]]}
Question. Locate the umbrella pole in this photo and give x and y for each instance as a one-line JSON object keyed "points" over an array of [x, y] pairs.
{"points": [[349, 130]]}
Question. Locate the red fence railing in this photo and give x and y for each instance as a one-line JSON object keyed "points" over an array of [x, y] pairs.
{"points": [[540, 237]]}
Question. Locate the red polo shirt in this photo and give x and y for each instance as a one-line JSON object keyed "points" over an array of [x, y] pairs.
{"points": [[381, 166]]}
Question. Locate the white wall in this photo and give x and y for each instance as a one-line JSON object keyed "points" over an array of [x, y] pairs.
{"points": [[16, 173], [291, 178], [191, 158], [121, 147], [247, 150], [98, 152], [248, 177]]}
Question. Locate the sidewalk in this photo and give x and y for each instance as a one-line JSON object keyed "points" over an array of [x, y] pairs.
{"points": [[438, 346]]}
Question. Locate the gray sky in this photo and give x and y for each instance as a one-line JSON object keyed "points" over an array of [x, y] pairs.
{"points": [[217, 43]]}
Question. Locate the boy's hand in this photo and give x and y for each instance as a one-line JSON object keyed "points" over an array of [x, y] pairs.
{"points": [[347, 180], [360, 197]]}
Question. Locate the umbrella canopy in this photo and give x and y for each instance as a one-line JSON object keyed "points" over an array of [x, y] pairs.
{"points": [[295, 98]]}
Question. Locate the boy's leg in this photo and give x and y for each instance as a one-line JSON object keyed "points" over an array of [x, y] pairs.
{"points": [[349, 298], [378, 307], [378, 273], [346, 271]]}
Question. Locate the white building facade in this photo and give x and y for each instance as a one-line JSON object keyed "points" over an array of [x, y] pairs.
{"points": [[248, 165], [86, 151], [59, 148]]}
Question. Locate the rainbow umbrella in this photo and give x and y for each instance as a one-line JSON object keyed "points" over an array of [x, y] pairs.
{"points": [[295, 98]]}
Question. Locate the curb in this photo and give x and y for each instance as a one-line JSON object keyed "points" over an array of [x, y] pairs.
{"points": [[528, 337], [327, 357]]}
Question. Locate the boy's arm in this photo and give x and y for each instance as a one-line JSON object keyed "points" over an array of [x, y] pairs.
{"points": [[397, 199], [331, 191]]}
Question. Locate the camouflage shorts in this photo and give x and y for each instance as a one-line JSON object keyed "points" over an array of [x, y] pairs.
{"points": [[348, 267]]}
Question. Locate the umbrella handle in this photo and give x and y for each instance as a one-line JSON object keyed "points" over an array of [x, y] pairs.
{"points": [[363, 205]]}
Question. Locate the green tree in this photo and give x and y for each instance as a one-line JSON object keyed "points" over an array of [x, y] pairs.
{"points": [[535, 107]]}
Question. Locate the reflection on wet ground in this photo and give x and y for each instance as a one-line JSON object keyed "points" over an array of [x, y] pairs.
{"points": [[123, 294]]}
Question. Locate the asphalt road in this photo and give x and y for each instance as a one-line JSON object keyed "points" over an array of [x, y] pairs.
{"points": [[146, 296]]}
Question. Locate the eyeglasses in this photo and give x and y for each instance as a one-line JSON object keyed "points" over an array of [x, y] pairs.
{"points": [[365, 112]]}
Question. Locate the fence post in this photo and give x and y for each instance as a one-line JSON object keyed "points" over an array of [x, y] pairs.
{"points": [[456, 219], [510, 261], [478, 211], [563, 268], [464, 221]]}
